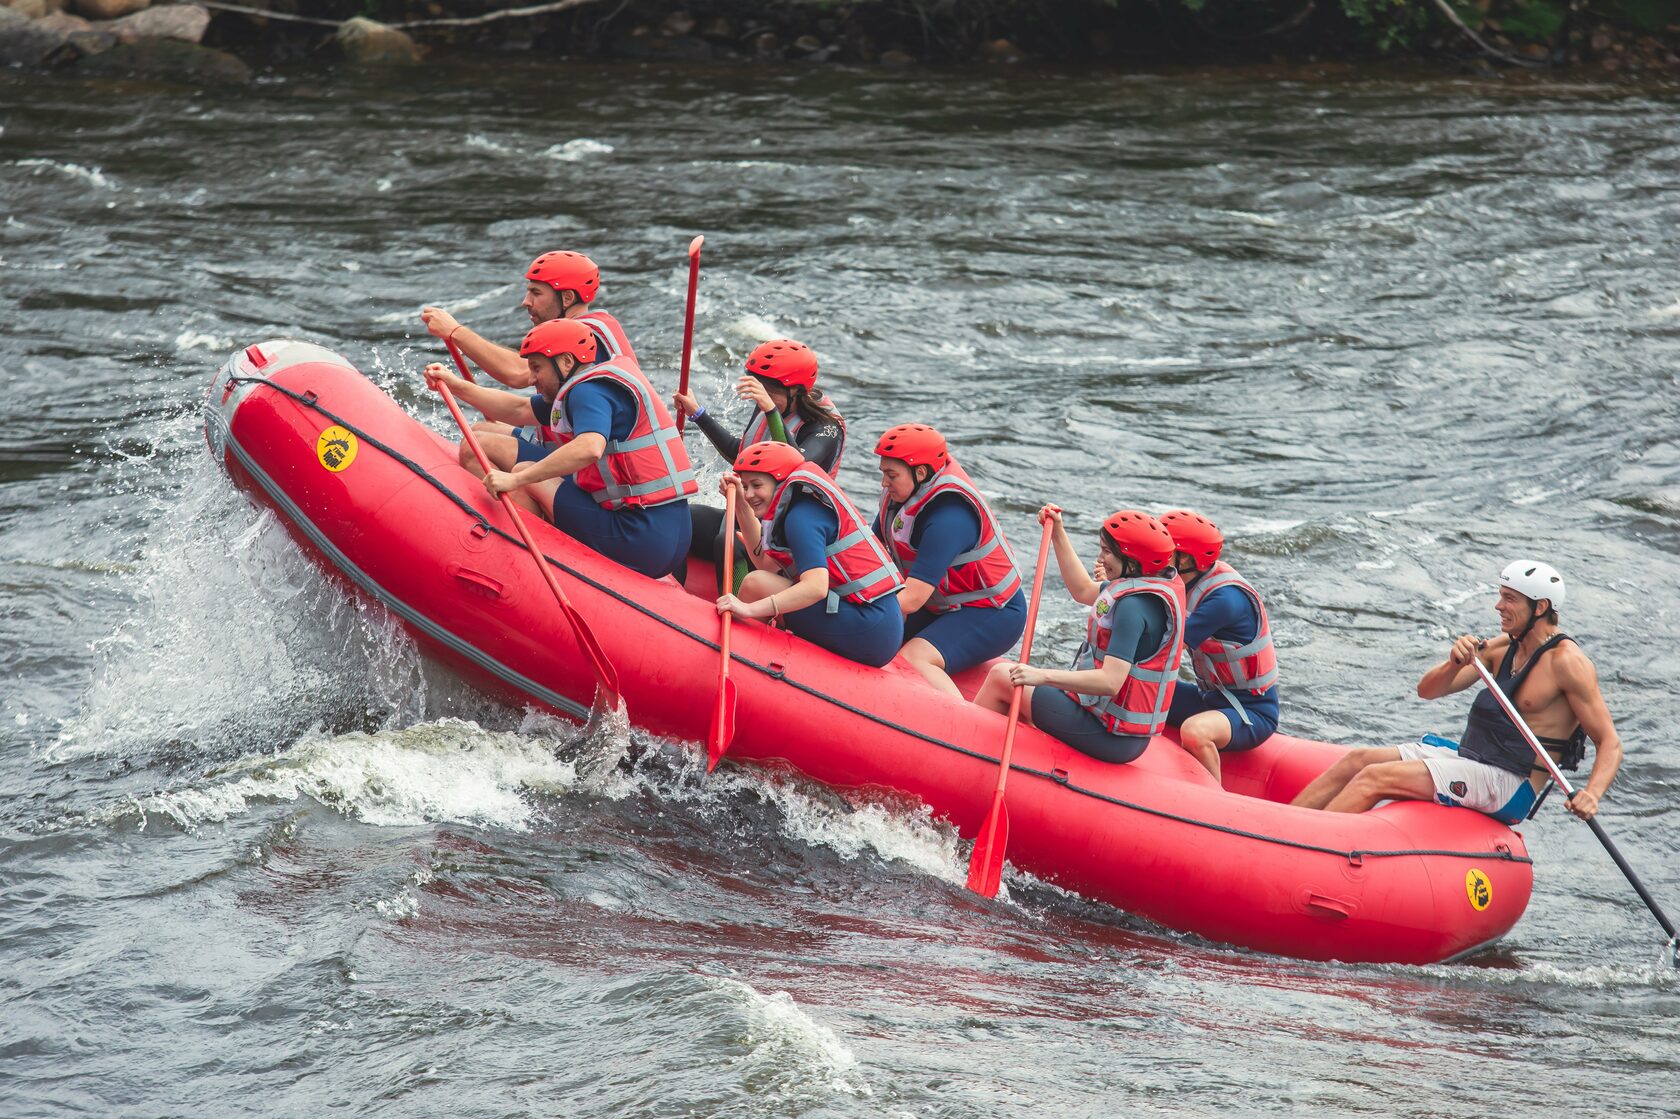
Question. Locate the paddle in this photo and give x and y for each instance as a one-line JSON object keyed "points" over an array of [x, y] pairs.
{"points": [[604, 674], [460, 362], [1598, 829], [985, 864], [723, 715], [688, 325]]}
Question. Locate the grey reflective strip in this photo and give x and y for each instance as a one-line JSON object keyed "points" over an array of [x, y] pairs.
{"points": [[846, 541], [1152, 676], [957, 600], [659, 436], [602, 332], [852, 586], [1232, 700], [979, 553]]}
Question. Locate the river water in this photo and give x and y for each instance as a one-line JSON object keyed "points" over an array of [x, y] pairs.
{"points": [[258, 858]]}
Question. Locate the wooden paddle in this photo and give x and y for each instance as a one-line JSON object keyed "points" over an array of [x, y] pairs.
{"points": [[605, 676], [688, 326], [985, 864], [723, 715], [1597, 828]]}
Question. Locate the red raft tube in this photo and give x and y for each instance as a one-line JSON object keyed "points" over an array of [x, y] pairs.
{"points": [[379, 500]]}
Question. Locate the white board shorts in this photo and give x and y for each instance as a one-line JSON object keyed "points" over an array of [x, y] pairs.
{"points": [[1462, 783]]}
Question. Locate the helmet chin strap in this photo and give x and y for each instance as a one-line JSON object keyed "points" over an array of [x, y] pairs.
{"points": [[1533, 617]]}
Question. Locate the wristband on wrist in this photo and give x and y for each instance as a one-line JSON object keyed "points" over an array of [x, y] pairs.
{"points": [[698, 412]]}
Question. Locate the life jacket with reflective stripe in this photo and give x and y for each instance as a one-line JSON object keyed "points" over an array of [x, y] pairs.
{"points": [[648, 468], [983, 576], [1140, 706], [758, 430], [611, 345], [1222, 665], [859, 569], [1492, 739]]}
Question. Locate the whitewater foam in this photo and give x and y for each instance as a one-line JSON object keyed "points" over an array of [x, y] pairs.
{"points": [[92, 175], [573, 150], [787, 1047]]}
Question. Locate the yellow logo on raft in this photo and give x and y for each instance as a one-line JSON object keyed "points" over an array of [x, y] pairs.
{"points": [[1476, 884], [336, 448]]}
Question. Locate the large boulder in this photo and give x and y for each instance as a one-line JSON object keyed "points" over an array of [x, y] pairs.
{"points": [[35, 9], [185, 22], [108, 9], [368, 41], [23, 42], [169, 58], [84, 36]]}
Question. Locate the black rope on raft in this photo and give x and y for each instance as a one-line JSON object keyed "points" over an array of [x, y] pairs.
{"points": [[1353, 856]]}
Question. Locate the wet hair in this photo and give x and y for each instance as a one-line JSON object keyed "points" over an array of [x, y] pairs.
{"points": [[811, 405]]}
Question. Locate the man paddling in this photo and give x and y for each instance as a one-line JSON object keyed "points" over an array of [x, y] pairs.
{"points": [[618, 480], [558, 285], [1492, 768]]}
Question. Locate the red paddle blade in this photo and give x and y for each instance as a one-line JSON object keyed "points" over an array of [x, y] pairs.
{"points": [[723, 725], [985, 865], [604, 671]]}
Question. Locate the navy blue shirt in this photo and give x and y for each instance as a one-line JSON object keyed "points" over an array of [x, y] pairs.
{"points": [[598, 407], [1140, 625], [944, 530], [808, 528], [1226, 614]]}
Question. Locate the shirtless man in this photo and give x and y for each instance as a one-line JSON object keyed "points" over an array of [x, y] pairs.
{"points": [[1493, 769]]}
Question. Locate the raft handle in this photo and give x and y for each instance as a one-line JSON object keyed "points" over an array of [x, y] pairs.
{"points": [[1356, 858], [479, 530], [1339, 909], [477, 582], [775, 671], [1059, 776]]}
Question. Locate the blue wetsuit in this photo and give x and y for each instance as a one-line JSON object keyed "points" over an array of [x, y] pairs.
{"points": [[652, 540], [972, 635], [1140, 625], [1228, 615], [869, 633]]}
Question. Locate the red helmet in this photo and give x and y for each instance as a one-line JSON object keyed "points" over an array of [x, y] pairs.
{"points": [[784, 361], [1135, 533], [770, 457], [567, 271], [560, 336], [1195, 536], [914, 445]]}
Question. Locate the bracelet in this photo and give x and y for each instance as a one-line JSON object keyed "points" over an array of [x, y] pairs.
{"points": [[775, 611], [700, 412], [451, 338]]}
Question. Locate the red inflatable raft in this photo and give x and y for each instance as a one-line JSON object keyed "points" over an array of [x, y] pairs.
{"points": [[379, 499]]}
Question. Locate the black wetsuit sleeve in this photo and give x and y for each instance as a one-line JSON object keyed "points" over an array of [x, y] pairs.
{"points": [[821, 443], [726, 444]]}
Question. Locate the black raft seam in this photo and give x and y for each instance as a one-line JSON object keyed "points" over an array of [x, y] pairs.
{"points": [[811, 690]]}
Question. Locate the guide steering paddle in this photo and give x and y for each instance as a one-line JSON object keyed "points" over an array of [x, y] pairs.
{"points": [[605, 676], [1510, 710], [985, 863]]}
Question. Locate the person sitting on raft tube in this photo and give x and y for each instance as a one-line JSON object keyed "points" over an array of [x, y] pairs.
{"points": [[781, 382], [962, 598], [1492, 768], [558, 285], [819, 568], [1116, 696], [1234, 705], [618, 479]]}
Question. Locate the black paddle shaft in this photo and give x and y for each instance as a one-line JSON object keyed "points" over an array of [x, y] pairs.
{"points": [[1633, 879]]}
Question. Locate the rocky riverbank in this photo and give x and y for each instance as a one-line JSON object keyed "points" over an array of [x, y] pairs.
{"points": [[217, 41]]}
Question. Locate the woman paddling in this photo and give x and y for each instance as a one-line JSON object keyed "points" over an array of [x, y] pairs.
{"points": [[781, 382], [1116, 696], [962, 599], [819, 569]]}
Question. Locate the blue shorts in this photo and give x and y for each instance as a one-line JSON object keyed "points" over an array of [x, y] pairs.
{"points": [[653, 541], [1055, 712], [870, 633], [1262, 712], [531, 446], [972, 635]]}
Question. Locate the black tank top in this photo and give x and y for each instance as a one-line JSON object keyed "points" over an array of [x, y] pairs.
{"points": [[1492, 739]]}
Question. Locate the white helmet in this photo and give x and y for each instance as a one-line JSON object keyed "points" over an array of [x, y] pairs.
{"points": [[1534, 580]]}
